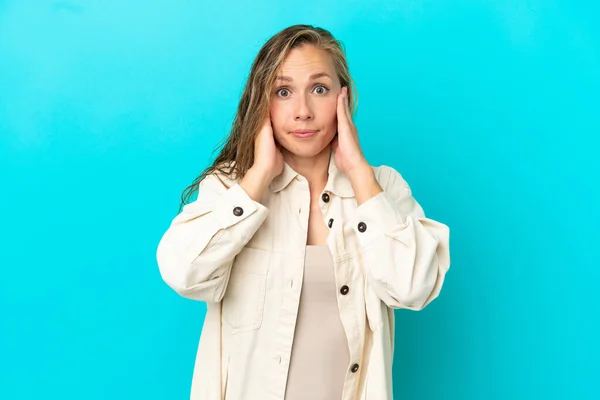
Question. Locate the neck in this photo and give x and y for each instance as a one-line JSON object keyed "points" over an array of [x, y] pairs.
{"points": [[314, 169]]}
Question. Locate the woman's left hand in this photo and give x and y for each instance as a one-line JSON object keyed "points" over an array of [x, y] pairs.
{"points": [[348, 155]]}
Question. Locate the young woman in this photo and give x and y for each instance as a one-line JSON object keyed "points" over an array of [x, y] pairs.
{"points": [[300, 249]]}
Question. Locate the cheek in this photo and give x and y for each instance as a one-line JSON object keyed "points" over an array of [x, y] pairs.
{"points": [[330, 113]]}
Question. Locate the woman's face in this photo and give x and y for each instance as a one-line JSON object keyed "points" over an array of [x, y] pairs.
{"points": [[303, 102]]}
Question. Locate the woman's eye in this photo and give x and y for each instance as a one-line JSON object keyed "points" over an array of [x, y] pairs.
{"points": [[283, 92], [321, 89]]}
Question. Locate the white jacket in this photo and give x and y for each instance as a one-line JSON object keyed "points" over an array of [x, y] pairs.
{"points": [[247, 265]]}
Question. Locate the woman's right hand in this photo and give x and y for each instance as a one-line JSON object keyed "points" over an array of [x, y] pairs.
{"points": [[267, 155], [268, 162]]}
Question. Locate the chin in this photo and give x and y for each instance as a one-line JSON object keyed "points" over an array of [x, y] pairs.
{"points": [[305, 150], [304, 153]]}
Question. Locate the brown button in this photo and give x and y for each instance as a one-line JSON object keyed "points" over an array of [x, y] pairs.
{"points": [[238, 211], [325, 197], [362, 227], [344, 290], [354, 368], [330, 223]]}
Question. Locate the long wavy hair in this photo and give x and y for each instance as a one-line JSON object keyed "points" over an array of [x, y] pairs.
{"points": [[237, 148]]}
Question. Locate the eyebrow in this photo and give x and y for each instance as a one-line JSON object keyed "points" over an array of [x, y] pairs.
{"points": [[312, 77]]}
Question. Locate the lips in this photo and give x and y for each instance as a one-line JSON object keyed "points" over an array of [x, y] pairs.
{"points": [[304, 133]]}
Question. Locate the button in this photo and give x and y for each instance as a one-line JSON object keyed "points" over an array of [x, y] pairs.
{"points": [[344, 290], [325, 197], [362, 227], [354, 368], [330, 223], [238, 211]]}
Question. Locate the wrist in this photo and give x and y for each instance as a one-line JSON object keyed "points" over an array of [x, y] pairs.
{"points": [[364, 183], [260, 174], [255, 182], [360, 172]]}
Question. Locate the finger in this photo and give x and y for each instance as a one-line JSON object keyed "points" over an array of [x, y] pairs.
{"points": [[347, 104], [268, 124], [351, 125], [341, 112]]}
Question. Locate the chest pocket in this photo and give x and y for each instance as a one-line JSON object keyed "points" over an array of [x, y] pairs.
{"points": [[244, 300]]}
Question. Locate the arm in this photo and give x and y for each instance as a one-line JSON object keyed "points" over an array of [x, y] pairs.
{"points": [[406, 254], [196, 253]]}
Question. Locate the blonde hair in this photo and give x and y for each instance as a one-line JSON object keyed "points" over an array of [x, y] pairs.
{"points": [[237, 152]]}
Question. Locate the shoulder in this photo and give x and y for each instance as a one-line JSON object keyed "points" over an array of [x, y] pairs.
{"points": [[389, 178], [398, 191]]}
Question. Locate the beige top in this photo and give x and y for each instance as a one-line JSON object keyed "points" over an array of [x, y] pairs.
{"points": [[320, 356]]}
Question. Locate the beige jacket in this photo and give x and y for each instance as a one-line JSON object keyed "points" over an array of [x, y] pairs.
{"points": [[245, 260]]}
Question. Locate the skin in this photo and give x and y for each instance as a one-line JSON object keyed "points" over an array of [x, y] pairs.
{"points": [[308, 96]]}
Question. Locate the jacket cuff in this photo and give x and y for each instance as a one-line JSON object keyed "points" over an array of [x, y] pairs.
{"points": [[375, 218], [236, 206]]}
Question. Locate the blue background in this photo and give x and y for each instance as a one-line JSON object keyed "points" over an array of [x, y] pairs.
{"points": [[489, 109]]}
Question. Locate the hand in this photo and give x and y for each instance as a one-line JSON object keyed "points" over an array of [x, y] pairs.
{"points": [[348, 155], [268, 158], [268, 163]]}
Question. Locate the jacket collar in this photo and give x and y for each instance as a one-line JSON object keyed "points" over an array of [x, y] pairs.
{"points": [[337, 182]]}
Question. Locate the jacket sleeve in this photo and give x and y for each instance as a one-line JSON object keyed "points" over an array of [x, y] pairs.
{"points": [[196, 252], [406, 254]]}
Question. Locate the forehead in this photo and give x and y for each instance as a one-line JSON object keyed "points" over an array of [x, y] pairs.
{"points": [[306, 60]]}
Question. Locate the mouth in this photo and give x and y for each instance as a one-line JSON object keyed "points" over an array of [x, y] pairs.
{"points": [[304, 133]]}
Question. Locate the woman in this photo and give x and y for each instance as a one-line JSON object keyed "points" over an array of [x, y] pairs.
{"points": [[300, 249]]}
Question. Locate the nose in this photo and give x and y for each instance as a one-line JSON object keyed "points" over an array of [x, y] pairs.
{"points": [[303, 110]]}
